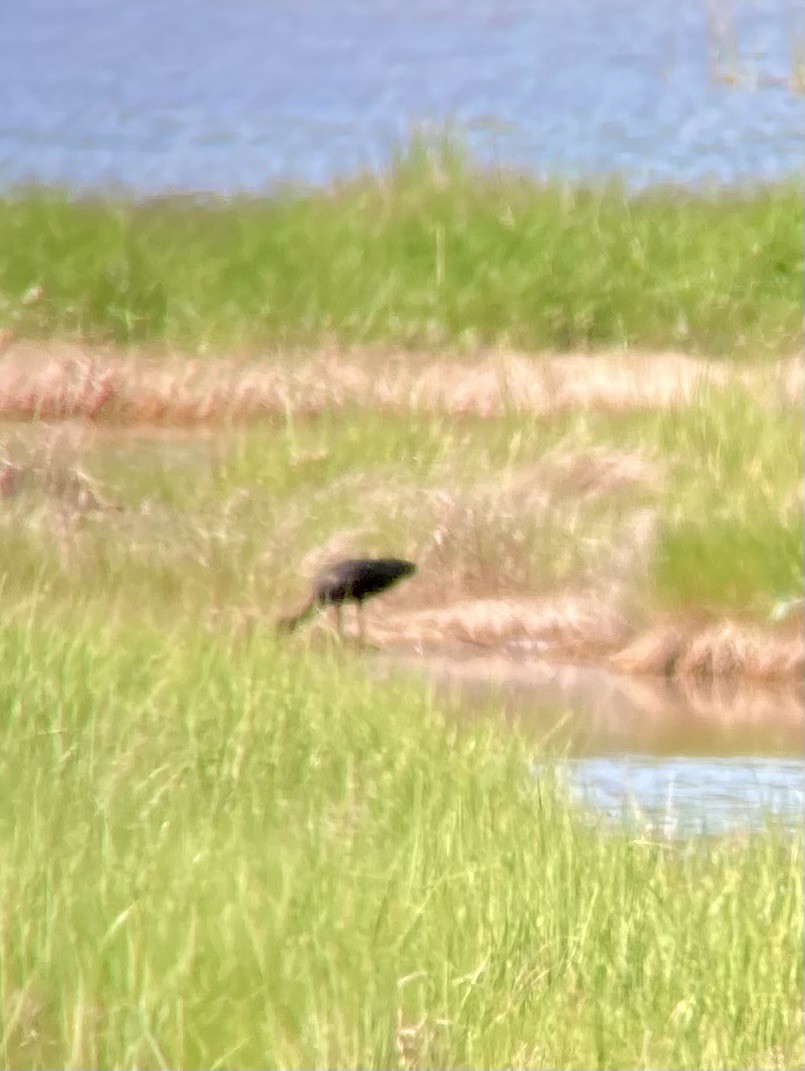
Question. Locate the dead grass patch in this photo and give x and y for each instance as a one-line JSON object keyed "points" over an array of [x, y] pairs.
{"points": [[585, 628], [60, 381], [568, 626], [557, 522], [720, 650]]}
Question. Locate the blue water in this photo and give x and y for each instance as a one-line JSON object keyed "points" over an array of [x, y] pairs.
{"points": [[230, 95], [664, 760], [682, 795]]}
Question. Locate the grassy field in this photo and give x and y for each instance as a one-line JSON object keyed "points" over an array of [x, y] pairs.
{"points": [[220, 853], [220, 850], [432, 254]]}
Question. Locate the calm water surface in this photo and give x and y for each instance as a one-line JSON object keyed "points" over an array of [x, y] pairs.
{"points": [[232, 95], [681, 794], [664, 757]]}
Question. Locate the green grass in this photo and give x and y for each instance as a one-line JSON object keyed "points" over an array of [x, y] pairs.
{"points": [[436, 253], [218, 851], [221, 854], [732, 532], [215, 851]]}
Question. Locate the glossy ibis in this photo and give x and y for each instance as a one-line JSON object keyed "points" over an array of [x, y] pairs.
{"points": [[353, 580]]}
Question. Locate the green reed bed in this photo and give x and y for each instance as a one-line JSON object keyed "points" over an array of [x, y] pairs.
{"points": [[732, 532], [221, 854], [434, 253]]}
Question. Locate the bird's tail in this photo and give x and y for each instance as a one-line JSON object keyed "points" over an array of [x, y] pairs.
{"points": [[292, 621]]}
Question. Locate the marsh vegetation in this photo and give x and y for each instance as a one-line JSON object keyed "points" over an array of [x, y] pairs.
{"points": [[217, 849]]}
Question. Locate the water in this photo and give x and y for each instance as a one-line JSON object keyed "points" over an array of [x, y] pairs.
{"points": [[230, 95], [666, 757], [683, 795]]}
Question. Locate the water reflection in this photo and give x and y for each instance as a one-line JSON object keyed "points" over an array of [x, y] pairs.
{"points": [[585, 710], [667, 756]]}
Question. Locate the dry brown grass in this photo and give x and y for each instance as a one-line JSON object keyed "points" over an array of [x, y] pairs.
{"points": [[565, 626], [560, 520], [58, 381], [720, 650], [586, 629]]}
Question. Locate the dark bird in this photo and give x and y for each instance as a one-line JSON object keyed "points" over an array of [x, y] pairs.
{"points": [[353, 580]]}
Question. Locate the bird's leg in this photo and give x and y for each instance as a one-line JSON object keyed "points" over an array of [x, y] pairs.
{"points": [[339, 622], [361, 629]]}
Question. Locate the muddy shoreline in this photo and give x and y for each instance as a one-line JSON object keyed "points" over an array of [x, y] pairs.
{"points": [[584, 632]]}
